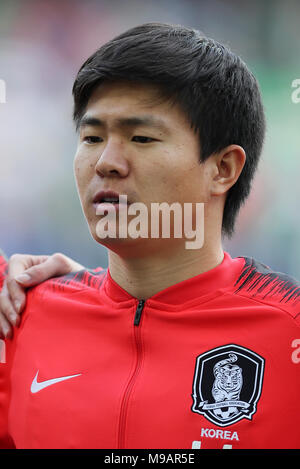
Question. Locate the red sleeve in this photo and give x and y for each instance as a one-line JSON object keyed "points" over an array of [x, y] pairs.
{"points": [[6, 442], [5, 360]]}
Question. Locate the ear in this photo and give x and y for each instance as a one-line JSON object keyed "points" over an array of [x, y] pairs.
{"points": [[227, 167]]}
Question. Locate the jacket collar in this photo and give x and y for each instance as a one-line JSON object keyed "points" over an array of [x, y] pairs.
{"points": [[220, 277]]}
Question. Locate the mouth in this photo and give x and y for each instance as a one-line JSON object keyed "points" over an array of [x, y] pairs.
{"points": [[109, 200]]}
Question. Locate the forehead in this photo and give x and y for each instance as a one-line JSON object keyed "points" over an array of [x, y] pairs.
{"points": [[140, 94], [125, 100]]}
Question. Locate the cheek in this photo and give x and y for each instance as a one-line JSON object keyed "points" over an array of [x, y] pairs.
{"points": [[83, 170], [191, 184], [184, 176]]}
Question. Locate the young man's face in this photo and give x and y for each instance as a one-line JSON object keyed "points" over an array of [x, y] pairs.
{"points": [[134, 144]]}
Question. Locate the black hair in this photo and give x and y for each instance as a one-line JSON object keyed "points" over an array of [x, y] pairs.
{"points": [[210, 83]]}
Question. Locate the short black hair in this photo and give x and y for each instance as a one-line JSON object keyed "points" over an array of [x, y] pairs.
{"points": [[210, 83]]}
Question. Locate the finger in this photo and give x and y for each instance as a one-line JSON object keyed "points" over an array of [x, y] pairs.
{"points": [[54, 265], [16, 293], [7, 310], [64, 264], [6, 331], [18, 263]]}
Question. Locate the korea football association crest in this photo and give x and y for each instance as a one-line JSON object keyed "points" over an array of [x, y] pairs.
{"points": [[227, 384]]}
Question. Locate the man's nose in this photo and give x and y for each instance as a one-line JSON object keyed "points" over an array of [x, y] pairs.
{"points": [[113, 161]]}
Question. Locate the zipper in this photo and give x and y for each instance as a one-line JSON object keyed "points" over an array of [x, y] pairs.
{"points": [[138, 313], [132, 380]]}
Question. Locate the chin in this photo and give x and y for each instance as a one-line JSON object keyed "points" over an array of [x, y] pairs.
{"points": [[110, 240]]}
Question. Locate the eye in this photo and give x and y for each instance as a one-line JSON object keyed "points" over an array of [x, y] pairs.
{"points": [[142, 139], [92, 139]]}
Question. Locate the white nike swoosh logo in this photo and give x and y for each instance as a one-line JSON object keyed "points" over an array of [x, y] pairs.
{"points": [[36, 387]]}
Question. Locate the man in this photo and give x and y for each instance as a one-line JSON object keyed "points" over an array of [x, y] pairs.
{"points": [[170, 347]]}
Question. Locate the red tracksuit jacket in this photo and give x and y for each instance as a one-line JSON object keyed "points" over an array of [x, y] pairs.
{"points": [[212, 361]]}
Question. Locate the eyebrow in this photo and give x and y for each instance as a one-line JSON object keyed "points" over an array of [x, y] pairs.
{"points": [[134, 121]]}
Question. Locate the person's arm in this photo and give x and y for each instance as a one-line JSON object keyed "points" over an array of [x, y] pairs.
{"points": [[6, 441], [23, 271], [6, 358], [12, 301]]}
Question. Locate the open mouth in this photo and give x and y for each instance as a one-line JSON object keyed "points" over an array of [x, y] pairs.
{"points": [[110, 200], [106, 200]]}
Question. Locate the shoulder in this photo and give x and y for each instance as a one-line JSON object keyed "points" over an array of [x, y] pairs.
{"points": [[76, 281], [259, 282], [62, 298]]}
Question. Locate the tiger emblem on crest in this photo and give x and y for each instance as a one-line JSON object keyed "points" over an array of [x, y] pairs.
{"points": [[227, 384]]}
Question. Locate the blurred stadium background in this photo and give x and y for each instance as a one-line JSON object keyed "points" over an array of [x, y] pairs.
{"points": [[42, 47]]}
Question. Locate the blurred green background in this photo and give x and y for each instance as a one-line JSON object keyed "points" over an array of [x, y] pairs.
{"points": [[43, 44]]}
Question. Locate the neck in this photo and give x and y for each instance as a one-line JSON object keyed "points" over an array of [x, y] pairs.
{"points": [[144, 276]]}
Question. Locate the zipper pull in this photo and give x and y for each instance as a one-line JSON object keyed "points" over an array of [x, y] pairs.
{"points": [[138, 313]]}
